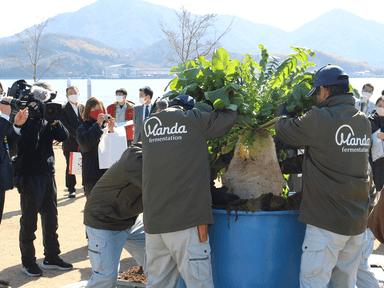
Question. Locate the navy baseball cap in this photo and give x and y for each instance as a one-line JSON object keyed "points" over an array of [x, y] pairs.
{"points": [[185, 101], [329, 75]]}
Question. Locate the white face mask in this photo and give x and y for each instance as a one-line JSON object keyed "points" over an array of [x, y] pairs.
{"points": [[141, 100], [367, 95], [119, 98], [380, 111], [73, 98]]}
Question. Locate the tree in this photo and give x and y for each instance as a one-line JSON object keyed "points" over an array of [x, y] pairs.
{"points": [[33, 40], [192, 40]]}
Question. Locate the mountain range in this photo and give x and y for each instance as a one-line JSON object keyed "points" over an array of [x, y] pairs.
{"points": [[133, 24], [130, 29]]}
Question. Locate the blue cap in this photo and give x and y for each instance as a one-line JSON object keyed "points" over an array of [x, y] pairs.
{"points": [[329, 75], [187, 102]]}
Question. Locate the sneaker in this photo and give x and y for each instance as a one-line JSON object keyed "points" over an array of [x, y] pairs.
{"points": [[56, 263], [32, 270], [72, 195]]}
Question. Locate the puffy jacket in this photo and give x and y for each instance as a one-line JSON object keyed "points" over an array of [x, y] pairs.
{"points": [[335, 166], [88, 137], [176, 168], [116, 199]]}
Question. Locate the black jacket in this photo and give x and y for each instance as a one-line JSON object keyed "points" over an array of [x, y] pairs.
{"points": [[88, 137], [71, 122], [377, 122], [34, 149], [6, 171]]}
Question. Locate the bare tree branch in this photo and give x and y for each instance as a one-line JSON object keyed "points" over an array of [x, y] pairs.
{"points": [[32, 40], [193, 36]]}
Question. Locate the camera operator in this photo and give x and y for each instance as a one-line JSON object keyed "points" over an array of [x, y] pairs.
{"points": [[35, 180], [8, 136]]}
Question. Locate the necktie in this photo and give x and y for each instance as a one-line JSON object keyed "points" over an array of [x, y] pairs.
{"points": [[146, 111]]}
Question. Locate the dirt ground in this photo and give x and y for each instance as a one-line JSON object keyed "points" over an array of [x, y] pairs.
{"points": [[73, 244], [72, 240]]}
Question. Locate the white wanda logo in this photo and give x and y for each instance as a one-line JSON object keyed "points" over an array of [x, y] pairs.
{"points": [[345, 136], [154, 127]]}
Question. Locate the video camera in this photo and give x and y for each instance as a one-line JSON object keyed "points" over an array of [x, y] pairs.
{"points": [[24, 95]]}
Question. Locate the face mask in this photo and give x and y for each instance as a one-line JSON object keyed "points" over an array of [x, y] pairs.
{"points": [[141, 100], [119, 98], [380, 111], [73, 98], [367, 95], [95, 114]]}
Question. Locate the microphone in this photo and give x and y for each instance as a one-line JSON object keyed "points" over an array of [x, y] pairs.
{"points": [[40, 94]]}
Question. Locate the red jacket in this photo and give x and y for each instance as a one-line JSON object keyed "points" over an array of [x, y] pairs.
{"points": [[111, 109]]}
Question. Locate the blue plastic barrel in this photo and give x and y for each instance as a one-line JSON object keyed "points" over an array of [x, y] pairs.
{"points": [[261, 249]]}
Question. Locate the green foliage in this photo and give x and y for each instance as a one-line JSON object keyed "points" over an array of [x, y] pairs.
{"points": [[254, 89]]}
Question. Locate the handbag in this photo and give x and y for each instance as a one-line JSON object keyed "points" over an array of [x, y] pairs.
{"points": [[376, 219], [75, 163]]}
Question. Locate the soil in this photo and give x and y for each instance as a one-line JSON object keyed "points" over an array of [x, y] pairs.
{"points": [[135, 274], [265, 202]]}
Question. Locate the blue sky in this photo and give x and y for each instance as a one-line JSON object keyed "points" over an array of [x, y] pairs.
{"points": [[287, 15]]}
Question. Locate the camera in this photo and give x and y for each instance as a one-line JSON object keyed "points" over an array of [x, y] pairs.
{"points": [[107, 117], [24, 95]]}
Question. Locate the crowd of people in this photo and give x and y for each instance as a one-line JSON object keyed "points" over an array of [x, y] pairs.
{"points": [[156, 199]]}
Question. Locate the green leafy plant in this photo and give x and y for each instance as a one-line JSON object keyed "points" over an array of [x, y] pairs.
{"points": [[254, 89]]}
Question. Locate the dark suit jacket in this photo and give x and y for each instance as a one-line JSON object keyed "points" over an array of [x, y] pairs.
{"points": [[71, 122], [6, 170], [138, 119]]}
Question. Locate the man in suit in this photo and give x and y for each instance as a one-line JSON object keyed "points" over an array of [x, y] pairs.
{"points": [[71, 119], [141, 112], [7, 136]]}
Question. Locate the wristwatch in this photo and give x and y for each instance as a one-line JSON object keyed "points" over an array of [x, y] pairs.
{"points": [[17, 126]]}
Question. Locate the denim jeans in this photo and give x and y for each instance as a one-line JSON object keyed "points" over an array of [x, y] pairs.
{"points": [[104, 250], [365, 277]]}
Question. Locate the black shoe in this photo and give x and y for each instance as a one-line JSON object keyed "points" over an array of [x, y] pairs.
{"points": [[4, 283], [72, 195], [32, 270], [56, 263]]}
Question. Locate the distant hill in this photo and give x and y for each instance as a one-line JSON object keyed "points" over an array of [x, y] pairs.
{"points": [[339, 32], [110, 32], [81, 56], [133, 24]]}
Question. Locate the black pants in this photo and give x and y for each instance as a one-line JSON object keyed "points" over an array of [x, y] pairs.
{"points": [[2, 198], [37, 195], [88, 188], [70, 179]]}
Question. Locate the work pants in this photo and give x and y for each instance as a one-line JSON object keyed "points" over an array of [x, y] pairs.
{"points": [[365, 277], [104, 250], [170, 254], [70, 179], [330, 259], [37, 195]]}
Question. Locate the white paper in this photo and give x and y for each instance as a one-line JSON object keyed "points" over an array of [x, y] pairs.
{"points": [[123, 124], [377, 148], [111, 146]]}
